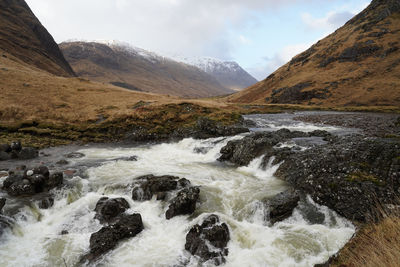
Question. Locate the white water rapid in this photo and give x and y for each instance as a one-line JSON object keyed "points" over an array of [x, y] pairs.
{"points": [[234, 194]]}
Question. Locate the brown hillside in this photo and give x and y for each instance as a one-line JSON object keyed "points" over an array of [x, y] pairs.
{"points": [[139, 70], [359, 64], [23, 36]]}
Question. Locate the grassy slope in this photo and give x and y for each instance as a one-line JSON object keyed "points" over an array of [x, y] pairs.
{"points": [[370, 79]]}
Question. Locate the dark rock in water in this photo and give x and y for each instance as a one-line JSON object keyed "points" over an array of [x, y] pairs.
{"points": [[55, 179], [282, 205], [108, 209], [351, 175], [16, 146], [184, 203], [209, 240], [4, 155], [16, 151], [28, 153], [5, 223], [107, 238], [206, 128], [131, 158], [25, 183], [242, 152], [74, 155], [64, 232], [62, 162], [2, 204], [46, 203], [5, 148], [150, 185]]}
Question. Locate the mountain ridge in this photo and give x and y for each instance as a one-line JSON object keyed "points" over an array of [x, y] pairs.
{"points": [[138, 69], [24, 37], [358, 64]]}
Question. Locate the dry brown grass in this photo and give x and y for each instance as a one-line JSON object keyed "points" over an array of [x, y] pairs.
{"points": [[375, 245]]}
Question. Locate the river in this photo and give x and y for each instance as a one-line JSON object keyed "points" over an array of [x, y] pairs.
{"points": [[234, 194]]}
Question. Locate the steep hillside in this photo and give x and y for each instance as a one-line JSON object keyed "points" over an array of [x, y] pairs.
{"points": [[139, 70], [359, 64], [24, 37], [228, 73]]}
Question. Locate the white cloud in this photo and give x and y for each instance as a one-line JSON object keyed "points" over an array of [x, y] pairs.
{"points": [[189, 27], [271, 64]]}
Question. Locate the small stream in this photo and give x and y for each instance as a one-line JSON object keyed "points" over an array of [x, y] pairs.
{"points": [[234, 194]]}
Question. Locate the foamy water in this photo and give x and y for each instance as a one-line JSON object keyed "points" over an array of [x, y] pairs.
{"points": [[234, 194]]}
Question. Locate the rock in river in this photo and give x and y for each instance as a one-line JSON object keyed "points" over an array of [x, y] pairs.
{"points": [[108, 209], [282, 205], [184, 203], [209, 240], [125, 226]]}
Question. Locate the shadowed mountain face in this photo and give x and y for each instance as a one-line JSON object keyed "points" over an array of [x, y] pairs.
{"points": [[140, 70], [23, 36], [358, 64]]}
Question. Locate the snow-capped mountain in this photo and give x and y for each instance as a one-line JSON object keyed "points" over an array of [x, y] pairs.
{"points": [[229, 73], [124, 65]]}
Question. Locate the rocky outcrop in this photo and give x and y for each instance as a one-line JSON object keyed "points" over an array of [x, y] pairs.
{"points": [[107, 238], [108, 209], [23, 182], [184, 203], [242, 152], [209, 240], [16, 151], [281, 206], [352, 175]]}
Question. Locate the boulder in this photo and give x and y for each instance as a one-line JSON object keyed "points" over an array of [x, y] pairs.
{"points": [[281, 206], [242, 152], [108, 237], [19, 183], [74, 155], [184, 203], [209, 240], [46, 203], [5, 148], [2, 203], [27, 153], [149, 185], [16, 146], [4, 156], [108, 209]]}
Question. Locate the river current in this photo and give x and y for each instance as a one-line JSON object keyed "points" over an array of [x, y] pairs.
{"points": [[234, 194]]}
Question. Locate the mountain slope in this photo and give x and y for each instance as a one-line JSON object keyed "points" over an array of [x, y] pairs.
{"points": [[139, 70], [228, 73], [23, 36], [359, 64]]}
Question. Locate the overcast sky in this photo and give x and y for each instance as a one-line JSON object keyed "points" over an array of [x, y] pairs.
{"points": [[260, 35]]}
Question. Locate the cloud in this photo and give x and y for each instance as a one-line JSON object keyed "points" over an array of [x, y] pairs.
{"points": [[270, 64], [178, 26], [331, 21]]}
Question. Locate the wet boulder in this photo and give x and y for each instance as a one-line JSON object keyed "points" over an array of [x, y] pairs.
{"points": [[74, 155], [2, 204], [149, 185], [242, 152], [22, 182], [209, 240], [107, 238], [46, 203], [16, 151], [282, 205], [27, 153], [206, 128], [184, 203], [5, 223], [108, 209]]}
